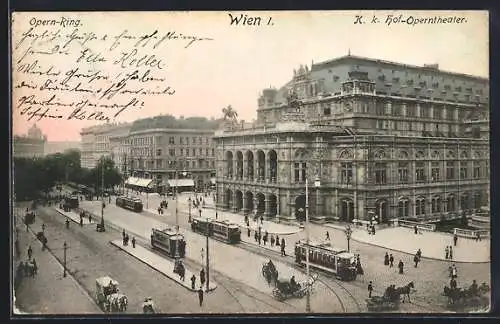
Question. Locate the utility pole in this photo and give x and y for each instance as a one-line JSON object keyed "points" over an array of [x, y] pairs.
{"points": [[102, 196], [208, 260], [176, 213], [65, 246], [308, 299]]}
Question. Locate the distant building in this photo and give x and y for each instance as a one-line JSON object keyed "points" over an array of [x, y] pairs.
{"points": [[162, 146], [95, 142], [375, 140], [60, 147], [30, 145]]}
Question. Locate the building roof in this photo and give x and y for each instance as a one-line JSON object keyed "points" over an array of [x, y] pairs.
{"points": [[170, 122], [352, 58]]}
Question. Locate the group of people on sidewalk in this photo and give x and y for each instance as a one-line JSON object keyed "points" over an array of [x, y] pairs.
{"points": [[389, 261], [274, 240], [126, 238]]}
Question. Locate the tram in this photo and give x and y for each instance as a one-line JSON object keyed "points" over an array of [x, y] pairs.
{"points": [[168, 241], [325, 257], [222, 230], [71, 202], [134, 204]]}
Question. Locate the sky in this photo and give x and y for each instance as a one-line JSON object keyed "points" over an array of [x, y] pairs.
{"points": [[240, 61]]}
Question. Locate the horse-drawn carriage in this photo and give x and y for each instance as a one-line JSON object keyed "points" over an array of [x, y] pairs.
{"points": [[390, 300], [463, 297], [108, 295], [290, 289], [285, 289]]}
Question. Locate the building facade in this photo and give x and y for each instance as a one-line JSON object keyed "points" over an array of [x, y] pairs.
{"points": [[373, 139], [60, 147], [96, 142], [30, 145], [160, 153]]}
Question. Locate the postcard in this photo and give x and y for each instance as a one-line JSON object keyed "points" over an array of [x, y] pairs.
{"points": [[250, 162]]}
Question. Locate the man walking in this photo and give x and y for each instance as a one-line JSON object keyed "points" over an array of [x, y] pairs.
{"points": [[370, 289], [416, 259], [200, 296], [283, 253], [30, 252], [202, 277], [455, 239], [133, 242], [327, 236], [193, 281], [391, 261]]}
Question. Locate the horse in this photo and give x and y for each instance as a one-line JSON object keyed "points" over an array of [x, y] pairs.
{"points": [[117, 302], [270, 273], [405, 291]]}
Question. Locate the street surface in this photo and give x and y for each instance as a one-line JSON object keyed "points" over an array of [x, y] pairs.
{"points": [[238, 264], [429, 277]]}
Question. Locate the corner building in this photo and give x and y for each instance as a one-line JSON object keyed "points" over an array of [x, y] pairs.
{"points": [[373, 138]]}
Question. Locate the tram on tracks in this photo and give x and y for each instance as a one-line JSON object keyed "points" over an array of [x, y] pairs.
{"points": [[134, 204], [222, 230], [168, 241], [330, 259]]}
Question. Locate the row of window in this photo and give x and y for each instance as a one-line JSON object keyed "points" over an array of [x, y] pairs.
{"points": [[145, 151], [438, 205], [403, 171], [167, 163], [150, 140]]}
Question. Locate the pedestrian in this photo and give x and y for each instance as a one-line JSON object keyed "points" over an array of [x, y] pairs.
{"points": [[415, 228], [370, 289], [193, 281], [200, 296], [277, 240], [248, 232], [272, 240], [90, 218], [419, 254], [67, 222], [327, 236], [182, 272], [373, 229], [265, 239], [123, 233], [415, 259], [283, 253], [401, 267], [391, 261], [133, 242], [455, 239], [256, 236], [447, 252], [453, 283], [30, 252], [202, 276], [451, 253], [81, 221], [35, 267], [454, 272], [261, 219], [259, 237], [386, 259]]}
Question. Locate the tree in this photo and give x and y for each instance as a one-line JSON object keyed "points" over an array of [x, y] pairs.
{"points": [[106, 170]]}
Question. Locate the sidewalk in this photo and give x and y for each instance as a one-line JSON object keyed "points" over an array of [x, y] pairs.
{"points": [[432, 244], [161, 264], [48, 292], [74, 217]]}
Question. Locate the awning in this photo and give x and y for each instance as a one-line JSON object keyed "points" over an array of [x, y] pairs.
{"points": [[139, 182], [212, 180], [181, 183]]}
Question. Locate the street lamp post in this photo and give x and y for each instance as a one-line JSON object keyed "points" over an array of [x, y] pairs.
{"points": [[208, 258], [317, 184], [65, 247], [189, 200], [348, 233], [308, 297], [102, 197]]}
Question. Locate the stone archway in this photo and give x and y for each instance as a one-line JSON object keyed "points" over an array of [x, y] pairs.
{"points": [[346, 210], [228, 198], [239, 165], [273, 205], [250, 162], [273, 166], [239, 201], [261, 203], [300, 208], [229, 164], [382, 211], [249, 202]]}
